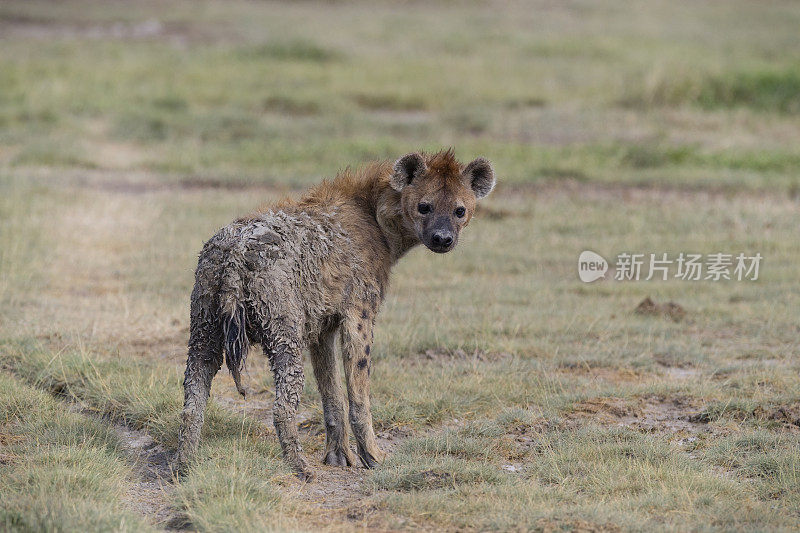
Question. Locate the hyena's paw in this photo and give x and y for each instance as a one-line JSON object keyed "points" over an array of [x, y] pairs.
{"points": [[304, 474], [342, 456], [371, 458], [301, 469]]}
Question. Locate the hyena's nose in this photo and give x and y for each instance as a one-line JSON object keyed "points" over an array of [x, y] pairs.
{"points": [[442, 239]]}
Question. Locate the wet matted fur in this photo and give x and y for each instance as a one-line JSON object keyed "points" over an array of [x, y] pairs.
{"points": [[298, 273]]}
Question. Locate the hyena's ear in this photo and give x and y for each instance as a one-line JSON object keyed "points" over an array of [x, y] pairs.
{"points": [[407, 169], [479, 176]]}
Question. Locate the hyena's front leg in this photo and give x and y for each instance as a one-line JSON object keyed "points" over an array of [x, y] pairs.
{"points": [[287, 367], [356, 348], [326, 370]]}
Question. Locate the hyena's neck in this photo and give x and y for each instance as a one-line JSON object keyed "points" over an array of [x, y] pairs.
{"points": [[370, 210], [398, 237]]}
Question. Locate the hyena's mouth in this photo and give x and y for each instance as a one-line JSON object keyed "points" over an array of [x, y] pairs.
{"points": [[441, 250]]}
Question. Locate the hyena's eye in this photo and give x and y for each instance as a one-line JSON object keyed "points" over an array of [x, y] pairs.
{"points": [[460, 212], [424, 208]]}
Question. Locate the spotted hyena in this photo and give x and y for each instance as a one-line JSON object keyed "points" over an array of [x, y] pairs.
{"points": [[296, 275]]}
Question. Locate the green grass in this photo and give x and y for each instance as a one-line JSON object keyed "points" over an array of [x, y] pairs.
{"points": [[60, 471], [512, 395], [771, 90], [229, 92], [232, 488], [651, 485]]}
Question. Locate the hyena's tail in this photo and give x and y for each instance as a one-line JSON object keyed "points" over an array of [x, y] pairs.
{"points": [[234, 326], [236, 345]]}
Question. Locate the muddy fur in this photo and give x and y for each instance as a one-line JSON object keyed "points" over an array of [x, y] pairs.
{"points": [[296, 275]]}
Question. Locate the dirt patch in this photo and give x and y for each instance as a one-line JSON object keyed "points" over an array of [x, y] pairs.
{"points": [[338, 496], [788, 416], [605, 409], [171, 346], [658, 414], [150, 491], [334, 487], [784, 416], [611, 375], [669, 310], [338, 493], [441, 354], [551, 525], [394, 435], [676, 416], [341, 493]]}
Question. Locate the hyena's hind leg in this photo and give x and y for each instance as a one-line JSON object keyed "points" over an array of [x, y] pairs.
{"points": [[203, 362], [326, 371], [285, 357]]}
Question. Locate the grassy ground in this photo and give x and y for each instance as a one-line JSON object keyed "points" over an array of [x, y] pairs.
{"points": [[511, 395]]}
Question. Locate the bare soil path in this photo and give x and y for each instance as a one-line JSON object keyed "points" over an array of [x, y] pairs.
{"points": [[152, 489]]}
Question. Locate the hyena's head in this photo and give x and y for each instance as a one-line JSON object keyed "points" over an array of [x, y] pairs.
{"points": [[438, 195]]}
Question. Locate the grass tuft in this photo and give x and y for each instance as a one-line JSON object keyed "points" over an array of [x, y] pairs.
{"points": [[60, 471], [295, 50], [774, 91]]}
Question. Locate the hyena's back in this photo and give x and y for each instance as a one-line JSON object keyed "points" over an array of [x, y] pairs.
{"points": [[267, 279]]}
